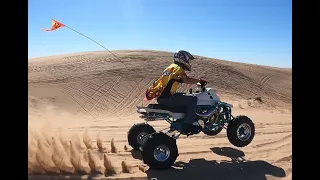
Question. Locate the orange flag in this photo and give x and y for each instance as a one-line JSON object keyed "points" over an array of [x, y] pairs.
{"points": [[55, 25]]}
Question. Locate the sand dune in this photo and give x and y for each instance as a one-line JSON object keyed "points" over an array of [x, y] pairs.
{"points": [[81, 106]]}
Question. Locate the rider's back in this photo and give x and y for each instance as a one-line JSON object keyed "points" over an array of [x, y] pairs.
{"points": [[167, 83]]}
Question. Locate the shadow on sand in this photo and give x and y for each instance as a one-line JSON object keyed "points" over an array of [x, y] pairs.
{"points": [[236, 168]]}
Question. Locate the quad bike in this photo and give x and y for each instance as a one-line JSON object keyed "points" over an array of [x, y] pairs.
{"points": [[159, 149]]}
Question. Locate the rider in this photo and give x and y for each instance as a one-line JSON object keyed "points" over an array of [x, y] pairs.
{"points": [[164, 89]]}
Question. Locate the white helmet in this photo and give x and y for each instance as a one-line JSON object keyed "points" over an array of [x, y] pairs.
{"points": [[183, 58]]}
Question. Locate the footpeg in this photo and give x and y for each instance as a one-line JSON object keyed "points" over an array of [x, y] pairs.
{"points": [[199, 123]]}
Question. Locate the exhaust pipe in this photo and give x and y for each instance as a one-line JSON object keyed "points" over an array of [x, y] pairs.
{"points": [[207, 114]]}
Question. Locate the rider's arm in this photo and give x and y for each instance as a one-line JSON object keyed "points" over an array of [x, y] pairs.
{"points": [[189, 80]]}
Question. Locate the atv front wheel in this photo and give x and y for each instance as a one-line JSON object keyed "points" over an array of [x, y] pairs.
{"points": [[159, 151], [137, 134], [241, 131]]}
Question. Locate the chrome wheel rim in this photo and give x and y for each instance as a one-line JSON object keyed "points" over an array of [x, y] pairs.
{"points": [[161, 153], [244, 132]]}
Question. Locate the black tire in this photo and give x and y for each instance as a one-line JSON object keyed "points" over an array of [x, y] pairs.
{"points": [[137, 130], [232, 131], [209, 132], [151, 144]]}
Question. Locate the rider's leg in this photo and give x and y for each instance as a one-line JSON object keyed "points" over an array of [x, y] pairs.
{"points": [[191, 104], [187, 101]]}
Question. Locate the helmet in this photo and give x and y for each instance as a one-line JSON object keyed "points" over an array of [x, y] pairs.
{"points": [[182, 58]]}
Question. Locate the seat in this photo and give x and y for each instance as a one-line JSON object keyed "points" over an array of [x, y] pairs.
{"points": [[162, 107]]}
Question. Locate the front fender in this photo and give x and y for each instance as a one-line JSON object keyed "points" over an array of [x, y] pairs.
{"points": [[226, 104]]}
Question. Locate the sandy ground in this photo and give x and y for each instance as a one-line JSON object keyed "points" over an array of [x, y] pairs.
{"points": [[82, 105]]}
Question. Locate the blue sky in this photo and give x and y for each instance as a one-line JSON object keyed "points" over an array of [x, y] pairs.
{"points": [[251, 31]]}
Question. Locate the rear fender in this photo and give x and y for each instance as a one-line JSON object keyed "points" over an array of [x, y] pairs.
{"points": [[159, 113]]}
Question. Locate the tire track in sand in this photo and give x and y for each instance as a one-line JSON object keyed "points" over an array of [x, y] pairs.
{"points": [[104, 94], [90, 98], [66, 91], [124, 100]]}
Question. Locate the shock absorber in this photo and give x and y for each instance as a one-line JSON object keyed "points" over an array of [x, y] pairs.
{"points": [[214, 118]]}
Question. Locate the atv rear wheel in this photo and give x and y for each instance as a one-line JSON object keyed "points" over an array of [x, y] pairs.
{"points": [[138, 133], [159, 151], [241, 131]]}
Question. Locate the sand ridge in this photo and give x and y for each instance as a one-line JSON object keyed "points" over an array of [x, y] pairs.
{"points": [[81, 106]]}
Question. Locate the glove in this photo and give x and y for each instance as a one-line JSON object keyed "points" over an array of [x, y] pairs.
{"points": [[203, 82], [149, 96]]}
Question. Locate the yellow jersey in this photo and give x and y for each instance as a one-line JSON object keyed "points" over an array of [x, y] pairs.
{"points": [[167, 84]]}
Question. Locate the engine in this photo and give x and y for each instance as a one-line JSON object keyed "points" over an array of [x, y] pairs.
{"points": [[208, 116], [213, 115]]}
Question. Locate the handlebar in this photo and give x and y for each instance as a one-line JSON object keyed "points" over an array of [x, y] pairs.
{"points": [[201, 84]]}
